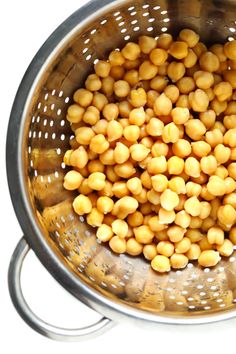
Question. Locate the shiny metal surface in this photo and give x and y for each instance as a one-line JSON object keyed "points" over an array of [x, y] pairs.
{"points": [[119, 287], [52, 332]]}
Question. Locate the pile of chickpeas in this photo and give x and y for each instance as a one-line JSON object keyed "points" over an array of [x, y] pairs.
{"points": [[153, 156]]}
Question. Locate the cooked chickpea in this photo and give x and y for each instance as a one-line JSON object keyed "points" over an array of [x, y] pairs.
{"points": [[110, 111], [215, 235], [178, 261], [165, 248], [229, 50], [146, 180], [232, 170], [196, 222], [172, 92], [155, 225], [232, 235], [150, 251], [226, 248], [153, 197], [181, 148], [75, 113], [83, 97], [194, 252], [169, 199], [178, 49], [120, 189], [120, 228], [96, 181], [105, 204], [180, 115], [139, 152], [175, 165], [95, 218], [189, 36], [117, 244], [111, 174], [208, 164], [170, 133], [214, 137], [121, 153], [209, 62], [79, 158], [93, 83], [209, 258], [182, 218], [216, 186], [143, 234], [190, 60], [138, 98], [199, 100], [159, 182], [162, 105], [166, 216], [175, 71], [177, 185], [134, 185], [204, 79], [125, 170], [161, 264], [99, 144], [223, 91], [121, 88], [192, 167], [226, 214], [201, 148], [147, 70], [230, 185], [72, 180], [183, 101], [195, 129], [183, 245], [193, 206], [82, 205], [230, 199], [131, 133], [155, 127], [135, 219], [104, 233], [208, 118], [131, 51], [133, 247], [205, 210], [193, 189], [157, 165]]}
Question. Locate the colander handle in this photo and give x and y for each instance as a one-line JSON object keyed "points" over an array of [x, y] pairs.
{"points": [[50, 331]]}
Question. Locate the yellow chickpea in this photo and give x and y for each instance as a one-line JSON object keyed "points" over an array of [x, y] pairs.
{"points": [[117, 72], [125, 170], [139, 152], [193, 206], [162, 105], [208, 164], [182, 218], [230, 199], [160, 264], [229, 138], [226, 248], [192, 167], [93, 83], [201, 148], [154, 224], [111, 174], [147, 44], [177, 185], [120, 228], [195, 129], [232, 170], [131, 51], [143, 234], [159, 182], [204, 244], [194, 252], [180, 115], [83, 97], [104, 233], [95, 218], [190, 60], [216, 186], [134, 185], [82, 205], [135, 219], [79, 158], [230, 185], [181, 148], [105, 204], [149, 251], [223, 91], [215, 235], [96, 181], [159, 149], [165, 248], [229, 50], [147, 70], [175, 165], [208, 118], [178, 49], [209, 62], [222, 153], [226, 214], [170, 133], [158, 56], [183, 101], [72, 180], [186, 85], [155, 127], [116, 58], [204, 79], [120, 189], [232, 235], [214, 137], [193, 189], [230, 121], [110, 111], [146, 180], [133, 247], [175, 71], [121, 88], [157, 165], [166, 216], [117, 244], [169, 199], [183, 246], [205, 210], [138, 98], [178, 261], [209, 258], [99, 144], [172, 92], [189, 36], [153, 197], [75, 113], [131, 133], [121, 153]]}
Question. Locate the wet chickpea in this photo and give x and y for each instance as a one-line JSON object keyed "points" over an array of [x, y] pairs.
{"points": [[178, 261], [166, 216], [117, 244], [208, 164], [192, 167], [175, 71], [181, 148], [193, 206], [226, 214], [195, 129], [177, 185], [209, 258], [222, 153], [216, 186], [169, 199], [214, 137], [149, 251], [208, 118], [190, 60], [161, 264]]}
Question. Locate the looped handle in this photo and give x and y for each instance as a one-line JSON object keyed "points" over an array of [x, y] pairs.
{"points": [[50, 331]]}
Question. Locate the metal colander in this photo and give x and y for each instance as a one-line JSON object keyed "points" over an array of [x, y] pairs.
{"points": [[117, 286]]}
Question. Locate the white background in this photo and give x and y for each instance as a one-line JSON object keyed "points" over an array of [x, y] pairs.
{"points": [[24, 26]]}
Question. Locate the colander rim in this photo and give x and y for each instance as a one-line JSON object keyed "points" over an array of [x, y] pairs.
{"points": [[17, 186]]}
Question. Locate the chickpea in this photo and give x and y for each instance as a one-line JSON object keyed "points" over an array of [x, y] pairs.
{"points": [[95, 218], [169, 199], [192, 167], [132, 77], [121, 153], [155, 127], [93, 83], [229, 50], [226, 214], [107, 157], [204, 79], [194, 252], [230, 185], [143, 234], [149, 251], [208, 164], [135, 219], [72, 180], [96, 181], [205, 210], [186, 85], [232, 235], [105, 204], [139, 152], [137, 116], [79, 158], [111, 174], [120, 228], [218, 107], [180, 115], [231, 107], [142, 197], [120, 189], [175, 165], [66, 157], [215, 235], [181, 148], [162, 105], [183, 246], [204, 244], [209, 62], [190, 60], [138, 98], [201, 148], [125, 170], [161, 264], [226, 248], [222, 153], [170, 133], [134, 185], [104, 233], [172, 92], [216, 186], [194, 235], [117, 72], [110, 111], [166, 216], [75, 113], [196, 222], [208, 118], [193, 189], [164, 41], [177, 185], [99, 144], [151, 98], [214, 137], [117, 244], [157, 165], [229, 138], [131, 133], [121, 88], [159, 149], [84, 188], [147, 70], [155, 225], [223, 91], [195, 129], [232, 170], [82, 205], [182, 219], [178, 49], [230, 121], [153, 197], [199, 100], [84, 135], [232, 154], [95, 166], [178, 261], [131, 51], [147, 44], [183, 101], [83, 97], [116, 58], [193, 206], [146, 180], [165, 248], [133, 247], [175, 71], [159, 182], [182, 199], [189, 36], [124, 109], [209, 258]]}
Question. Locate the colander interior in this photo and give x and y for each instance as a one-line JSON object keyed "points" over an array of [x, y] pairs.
{"points": [[126, 279]]}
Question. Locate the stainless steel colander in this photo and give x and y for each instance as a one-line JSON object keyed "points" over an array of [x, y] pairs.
{"points": [[117, 286]]}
